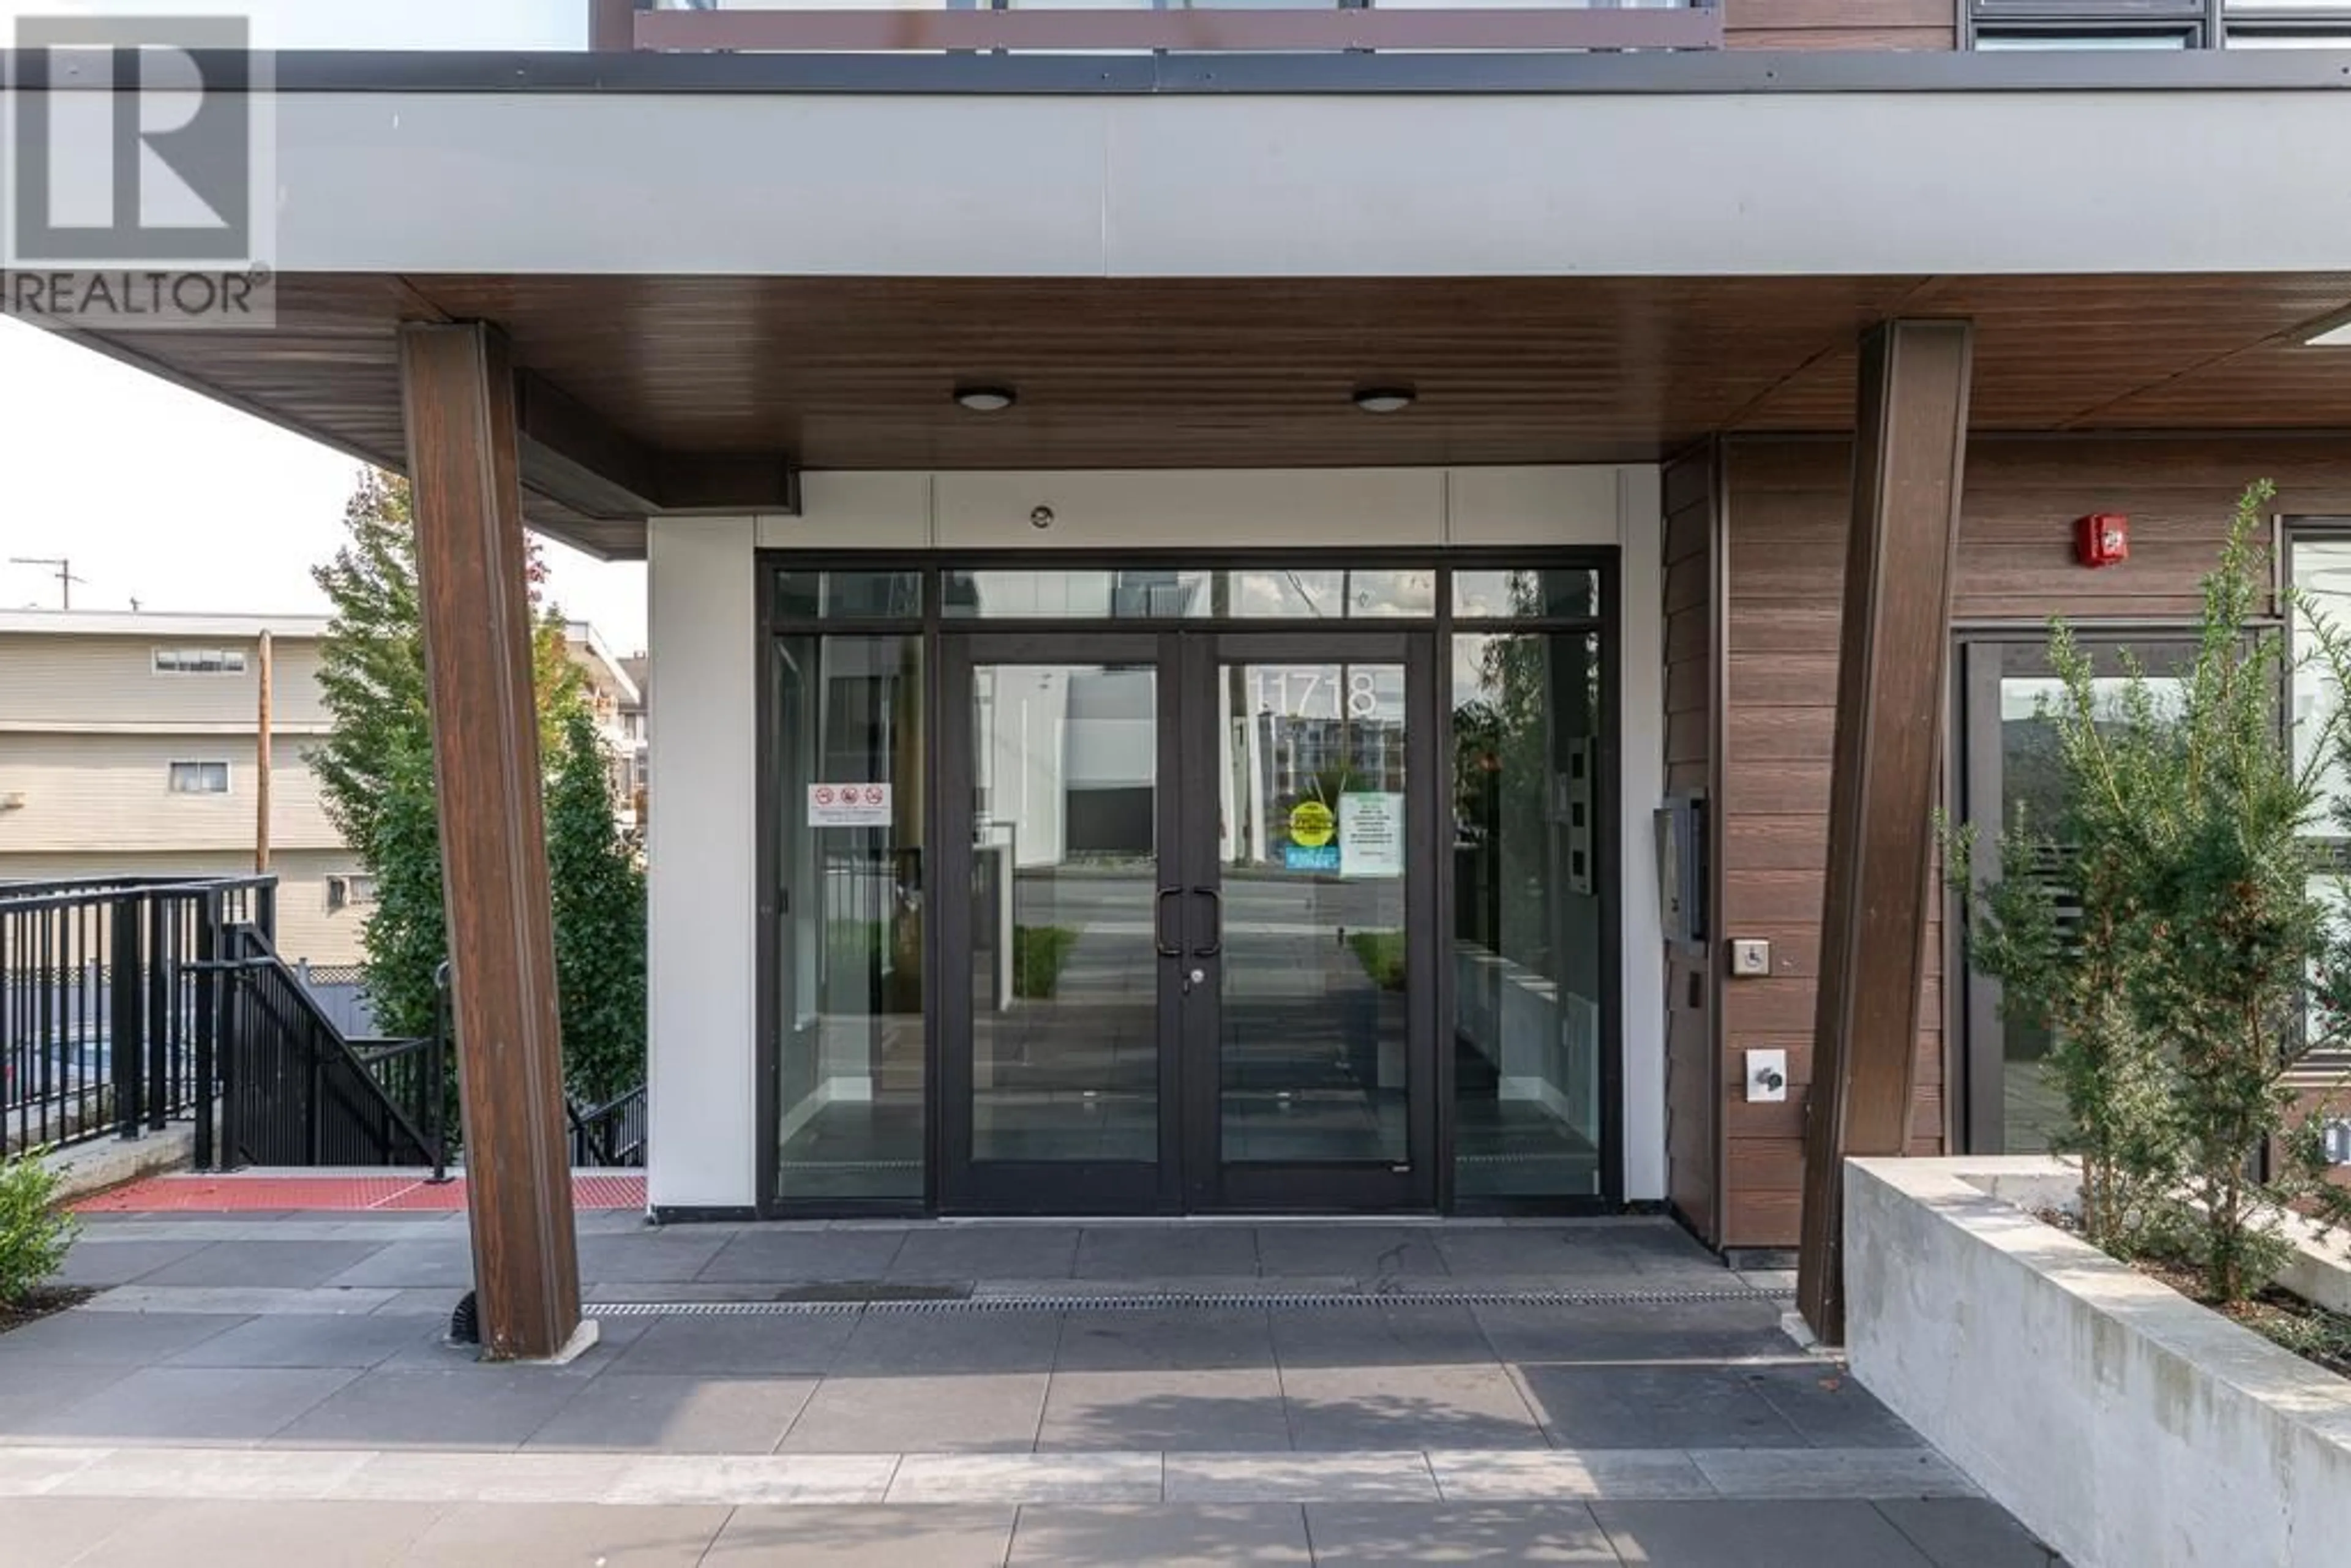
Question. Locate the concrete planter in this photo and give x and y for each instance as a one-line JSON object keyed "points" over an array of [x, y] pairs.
{"points": [[2121, 1422]]}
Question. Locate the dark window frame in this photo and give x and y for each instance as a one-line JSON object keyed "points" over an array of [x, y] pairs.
{"points": [[1605, 623]]}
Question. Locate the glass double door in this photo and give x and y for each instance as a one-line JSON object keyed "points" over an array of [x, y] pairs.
{"points": [[1186, 937]]}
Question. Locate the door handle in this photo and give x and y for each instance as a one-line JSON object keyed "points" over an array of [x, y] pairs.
{"points": [[1159, 924], [1216, 943]]}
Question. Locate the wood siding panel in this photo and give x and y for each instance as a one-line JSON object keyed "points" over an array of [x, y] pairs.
{"points": [[1787, 504], [1840, 24]]}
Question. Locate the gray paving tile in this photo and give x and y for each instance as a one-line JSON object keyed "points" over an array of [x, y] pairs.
{"points": [[961, 1253], [431, 1475], [476, 1407], [1389, 1408], [96, 1259], [304, 1339], [678, 1414], [239, 1534], [909, 1342], [784, 1344], [1585, 1474], [30, 1389], [1370, 1253], [1523, 1252], [1224, 1409], [1379, 1336], [647, 1257], [214, 1474], [799, 1256], [1609, 1406], [1816, 1535], [408, 1264], [1045, 1477], [1649, 1331], [753, 1481], [1347, 1535], [1296, 1477], [51, 1531], [1831, 1473], [1166, 1252], [819, 1537], [1179, 1340], [189, 1404], [894, 1415], [251, 1263], [422, 1301], [1967, 1532], [1264, 1534], [1830, 1407], [502, 1535], [108, 1339]]}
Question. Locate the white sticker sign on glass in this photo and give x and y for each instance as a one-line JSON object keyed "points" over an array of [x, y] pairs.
{"points": [[849, 805], [1370, 835]]}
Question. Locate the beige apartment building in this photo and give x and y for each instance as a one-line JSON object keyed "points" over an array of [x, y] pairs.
{"points": [[128, 746]]}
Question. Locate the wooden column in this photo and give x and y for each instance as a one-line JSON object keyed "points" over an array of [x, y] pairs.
{"points": [[1909, 448], [458, 393]]}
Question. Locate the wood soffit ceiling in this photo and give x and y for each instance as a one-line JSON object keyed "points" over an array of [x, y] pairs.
{"points": [[858, 373]]}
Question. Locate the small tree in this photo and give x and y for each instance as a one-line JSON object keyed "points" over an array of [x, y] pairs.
{"points": [[2176, 1004], [600, 920], [2076, 982], [375, 774], [34, 1233]]}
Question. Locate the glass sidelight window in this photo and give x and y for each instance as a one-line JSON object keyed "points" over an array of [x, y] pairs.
{"points": [[848, 970], [1529, 914]]}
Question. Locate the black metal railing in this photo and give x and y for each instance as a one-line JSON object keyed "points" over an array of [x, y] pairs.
{"points": [[107, 1006], [613, 1133], [294, 1091]]}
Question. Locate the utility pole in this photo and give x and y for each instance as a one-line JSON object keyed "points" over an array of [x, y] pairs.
{"points": [[261, 761], [65, 578]]}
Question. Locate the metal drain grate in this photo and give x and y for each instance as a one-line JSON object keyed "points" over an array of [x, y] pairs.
{"points": [[1166, 1301]]}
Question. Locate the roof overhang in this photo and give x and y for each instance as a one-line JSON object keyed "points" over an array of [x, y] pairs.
{"points": [[717, 269]]}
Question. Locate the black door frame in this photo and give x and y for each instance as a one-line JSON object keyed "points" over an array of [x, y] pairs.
{"points": [[1190, 1174], [1976, 1048], [934, 622], [964, 1184], [1211, 1182]]}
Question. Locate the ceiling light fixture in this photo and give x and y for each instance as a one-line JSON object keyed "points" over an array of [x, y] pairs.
{"points": [[1383, 400], [985, 400]]}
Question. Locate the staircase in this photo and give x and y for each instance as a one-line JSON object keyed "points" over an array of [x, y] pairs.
{"points": [[295, 1091]]}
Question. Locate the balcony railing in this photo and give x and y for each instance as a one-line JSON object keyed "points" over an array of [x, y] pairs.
{"points": [[1245, 29]]}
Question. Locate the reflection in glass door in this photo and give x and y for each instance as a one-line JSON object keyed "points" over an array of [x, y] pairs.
{"points": [[1311, 1036], [1054, 1066], [1306, 1029], [2009, 769]]}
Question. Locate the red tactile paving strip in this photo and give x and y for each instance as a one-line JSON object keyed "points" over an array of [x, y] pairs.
{"points": [[247, 1194]]}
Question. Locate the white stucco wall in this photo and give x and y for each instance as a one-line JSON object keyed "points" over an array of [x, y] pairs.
{"points": [[700, 853], [704, 736]]}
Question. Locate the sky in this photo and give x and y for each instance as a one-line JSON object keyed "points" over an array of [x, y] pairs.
{"points": [[160, 497]]}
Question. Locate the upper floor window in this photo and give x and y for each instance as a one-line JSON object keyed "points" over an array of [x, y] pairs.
{"points": [[2158, 24], [200, 661], [199, 779], [2287, 23]]}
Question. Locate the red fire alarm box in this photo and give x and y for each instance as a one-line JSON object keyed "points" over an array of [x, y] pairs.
{"points": [[2102, 539]]}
